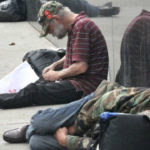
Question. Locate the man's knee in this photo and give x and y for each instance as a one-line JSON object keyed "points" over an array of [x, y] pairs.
{"points": [[44, 116], [35, 143]]}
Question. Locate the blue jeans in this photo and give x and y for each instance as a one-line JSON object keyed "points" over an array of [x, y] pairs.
{"points": [[45, 122]]}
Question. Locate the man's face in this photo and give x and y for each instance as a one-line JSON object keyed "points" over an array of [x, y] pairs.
{"points": [[57, 30]]}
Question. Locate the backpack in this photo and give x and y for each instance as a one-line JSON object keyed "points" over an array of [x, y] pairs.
{"points": [[124, 132], [39, 59]]}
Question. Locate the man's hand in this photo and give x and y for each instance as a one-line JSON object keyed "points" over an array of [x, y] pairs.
{"points": [[51, 75], [51, 67], [61, 135], [56, 65], [71, 130], [77, 68]]}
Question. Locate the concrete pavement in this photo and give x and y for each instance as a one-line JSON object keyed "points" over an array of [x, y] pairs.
{"points": [[26, 38]]}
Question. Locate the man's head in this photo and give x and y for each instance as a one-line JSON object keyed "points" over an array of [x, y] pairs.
{"points": [[51, 19]]}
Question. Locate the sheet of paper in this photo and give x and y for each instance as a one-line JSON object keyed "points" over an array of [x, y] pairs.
{"points": [[20, 77]]}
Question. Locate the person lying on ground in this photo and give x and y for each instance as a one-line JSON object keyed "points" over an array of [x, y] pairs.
{"points": [[90, 9], [48, 132]]}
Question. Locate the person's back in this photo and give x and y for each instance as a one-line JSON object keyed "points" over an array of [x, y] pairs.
{"points": [[135, 56]]}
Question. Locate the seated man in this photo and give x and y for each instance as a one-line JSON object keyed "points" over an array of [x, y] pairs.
{"points": [[86, 59], [43, 134]]}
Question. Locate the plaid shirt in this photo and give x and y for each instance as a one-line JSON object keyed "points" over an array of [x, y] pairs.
{"points": [[135, 53], [86, 43]]}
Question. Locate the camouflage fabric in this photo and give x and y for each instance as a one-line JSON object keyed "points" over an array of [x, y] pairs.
{"points": [[79, 143], [45, 14], [108, 97]]}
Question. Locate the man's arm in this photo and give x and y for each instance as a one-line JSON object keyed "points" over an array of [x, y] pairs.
{"points": [[78, 143], [72, 142], [55, 66], [73, 70]]}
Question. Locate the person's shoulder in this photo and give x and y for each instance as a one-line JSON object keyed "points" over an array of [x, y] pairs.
{"points": [[84, 23]]}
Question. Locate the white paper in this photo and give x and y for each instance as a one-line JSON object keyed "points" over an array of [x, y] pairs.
{"points": [[20, 77]]}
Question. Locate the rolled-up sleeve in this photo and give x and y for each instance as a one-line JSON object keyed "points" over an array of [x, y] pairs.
{"points": [[78, 143]]}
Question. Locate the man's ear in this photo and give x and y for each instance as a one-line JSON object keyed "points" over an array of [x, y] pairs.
{"points": [[57, 19]]}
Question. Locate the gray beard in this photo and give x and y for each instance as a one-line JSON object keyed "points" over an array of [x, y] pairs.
{"points": [[59, 31]]}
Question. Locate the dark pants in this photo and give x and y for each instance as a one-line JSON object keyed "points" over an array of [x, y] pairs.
{"points": [[81, 5], [41, 93], [45, 122]]}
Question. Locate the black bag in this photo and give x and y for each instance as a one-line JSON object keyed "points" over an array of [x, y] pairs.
{"points": [[12, 10], [124, 132], [39, 59]]}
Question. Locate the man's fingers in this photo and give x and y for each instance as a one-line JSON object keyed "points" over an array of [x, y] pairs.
{"points": [[45, 70], [62, 130], [45, 77], [71, 130]]}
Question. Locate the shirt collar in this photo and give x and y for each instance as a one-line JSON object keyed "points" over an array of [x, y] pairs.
{"points": [[145, 12], [78, 17]]}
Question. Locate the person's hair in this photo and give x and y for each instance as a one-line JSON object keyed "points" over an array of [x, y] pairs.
{"points": [[64, 12]]}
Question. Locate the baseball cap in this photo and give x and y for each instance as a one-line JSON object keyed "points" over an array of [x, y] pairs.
{"points": [[45, 14]]}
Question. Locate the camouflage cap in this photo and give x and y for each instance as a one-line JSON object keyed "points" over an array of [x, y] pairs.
{"points": [[46, 12]]}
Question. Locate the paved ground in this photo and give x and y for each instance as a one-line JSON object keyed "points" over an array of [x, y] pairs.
{"points": [[26, 38]]}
